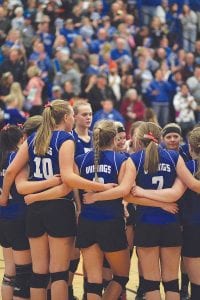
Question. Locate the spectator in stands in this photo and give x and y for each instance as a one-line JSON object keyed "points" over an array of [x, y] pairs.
{"points": [[71, 73], [33, 92], [189, 23], [16, 92], [68, 93], [56, 92], [15, 65], [132, 108], [193, 83], [159, 95], [80, 53], [98, 92], [107, 113], [185, 105], [4, 25]]}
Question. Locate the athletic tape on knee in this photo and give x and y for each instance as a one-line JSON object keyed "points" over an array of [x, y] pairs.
{"points": [[106, 263], [171, 286], [8, 280], [22, 281], [74, 265], [39, 281], [195, 291], [56, 276], [151, 285], [94, 288], [122, 280]]}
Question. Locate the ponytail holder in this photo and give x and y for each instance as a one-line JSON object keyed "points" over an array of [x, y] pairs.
{"points": [[151, 137], [48, 105], [20, 126]]}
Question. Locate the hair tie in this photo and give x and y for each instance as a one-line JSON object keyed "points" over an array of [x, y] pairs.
{"points": [[20, 126], [151, 137], [48, 105]]}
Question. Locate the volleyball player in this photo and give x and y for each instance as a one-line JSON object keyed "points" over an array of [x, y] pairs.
{"points": [[83, 143], [101, 228], [50, 151], [171, 139], [153, 226], [16, 250]]}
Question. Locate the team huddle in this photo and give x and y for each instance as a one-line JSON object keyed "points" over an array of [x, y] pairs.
{"points": [[67, 190]]}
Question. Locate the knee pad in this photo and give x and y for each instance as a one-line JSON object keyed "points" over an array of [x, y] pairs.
{"points": [[39, 281], [151, 285], [8, 280], [94, 288], [171, 286], [56, 276], [121, 280], [74, 265], [106, 263], [22, 281], [195, 291]]}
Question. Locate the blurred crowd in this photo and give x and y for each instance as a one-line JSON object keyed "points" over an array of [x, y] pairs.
{"points": [[132, 60]]}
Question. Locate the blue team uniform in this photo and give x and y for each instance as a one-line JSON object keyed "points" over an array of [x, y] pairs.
{"points": [[12, 216], [102, 222], [163, 178], [155, 226], [109, 166], [81, 146], [16, 207], [190, 204], [190, 211], [55, 217]]}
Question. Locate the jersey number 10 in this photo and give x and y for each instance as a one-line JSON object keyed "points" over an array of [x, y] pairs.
{"points": [[43, 168]]}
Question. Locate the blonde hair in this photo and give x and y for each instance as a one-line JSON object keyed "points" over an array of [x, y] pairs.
{"points": [[9, 99], [32, 124], [79, 103], [52, 115], [194, 141], [16, 91], [33, 71], [150, 134], [103, 136]]}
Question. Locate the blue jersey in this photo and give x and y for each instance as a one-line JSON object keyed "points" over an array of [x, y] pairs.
{"points": [[43, 167], [163, 178], [16, 207], [190, 202], [81, 146], [109, 166], [183, 151]]}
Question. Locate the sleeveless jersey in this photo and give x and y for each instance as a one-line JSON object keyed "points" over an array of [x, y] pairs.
{"points": [[163, 178], [16, 206], [108, 171], [81, 146], [43, 167], [190, 202]]}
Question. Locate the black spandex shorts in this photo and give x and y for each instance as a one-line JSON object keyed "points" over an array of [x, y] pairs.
{"points": [[109, 235], [161, 235], [191, 241], [54, 217], [13, 234]]}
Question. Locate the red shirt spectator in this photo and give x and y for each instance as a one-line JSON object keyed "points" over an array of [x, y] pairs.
{"points": [[132, 109]]}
